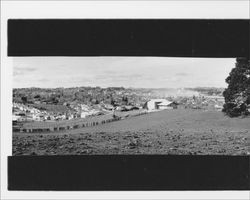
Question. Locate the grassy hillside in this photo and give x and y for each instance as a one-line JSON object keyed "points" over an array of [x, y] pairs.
{"points": [[166, 132]]}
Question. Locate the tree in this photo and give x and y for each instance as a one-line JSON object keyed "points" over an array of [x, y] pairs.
{"points": [[125, 100], [24, 99], [38, 96], [237, 95], [112, 101]]}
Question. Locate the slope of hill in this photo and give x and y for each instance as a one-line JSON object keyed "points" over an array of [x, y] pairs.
{"points": [[165, 132]]}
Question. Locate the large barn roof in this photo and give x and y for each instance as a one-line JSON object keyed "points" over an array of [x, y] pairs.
{"points": [[165, 103]]}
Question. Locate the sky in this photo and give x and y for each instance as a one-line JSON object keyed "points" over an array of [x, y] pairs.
{"points": [[136, 72]]}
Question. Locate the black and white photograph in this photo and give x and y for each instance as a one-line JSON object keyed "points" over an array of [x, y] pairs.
{"points": [[131, 105], [129, 99]]}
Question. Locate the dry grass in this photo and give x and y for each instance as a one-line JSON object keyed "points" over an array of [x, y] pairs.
{"points": [[166, 132]]}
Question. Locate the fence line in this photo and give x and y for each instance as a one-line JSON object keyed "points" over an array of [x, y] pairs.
{"points": [[75, 125]]}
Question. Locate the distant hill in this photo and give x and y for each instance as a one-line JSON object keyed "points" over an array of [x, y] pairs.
{"points": [[110, 95]]}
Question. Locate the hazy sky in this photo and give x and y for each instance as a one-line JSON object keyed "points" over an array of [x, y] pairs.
{"points": [[140, 72]]}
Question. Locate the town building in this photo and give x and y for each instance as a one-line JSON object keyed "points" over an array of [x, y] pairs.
{"points": [[159, 104]]}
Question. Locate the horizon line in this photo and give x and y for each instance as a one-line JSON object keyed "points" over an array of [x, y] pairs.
{"points": [[120, 87]]}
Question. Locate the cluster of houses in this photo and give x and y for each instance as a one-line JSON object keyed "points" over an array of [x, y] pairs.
{"points": [[205, 102], [23, 112], [196, 102], [26, 113]]}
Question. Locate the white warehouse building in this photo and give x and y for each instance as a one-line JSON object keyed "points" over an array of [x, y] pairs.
{"points": [[159, 104]]}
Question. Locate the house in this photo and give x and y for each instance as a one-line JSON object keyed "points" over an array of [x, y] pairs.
{"points": [[248, 108], [69, 116], [159, 104], [219, 99], [123, 108], [108, 107], [120, 108], [84, 114], [218, 107], [15, 118]]}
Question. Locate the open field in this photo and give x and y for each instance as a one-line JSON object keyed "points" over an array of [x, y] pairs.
{"points": [[180, 131]]}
